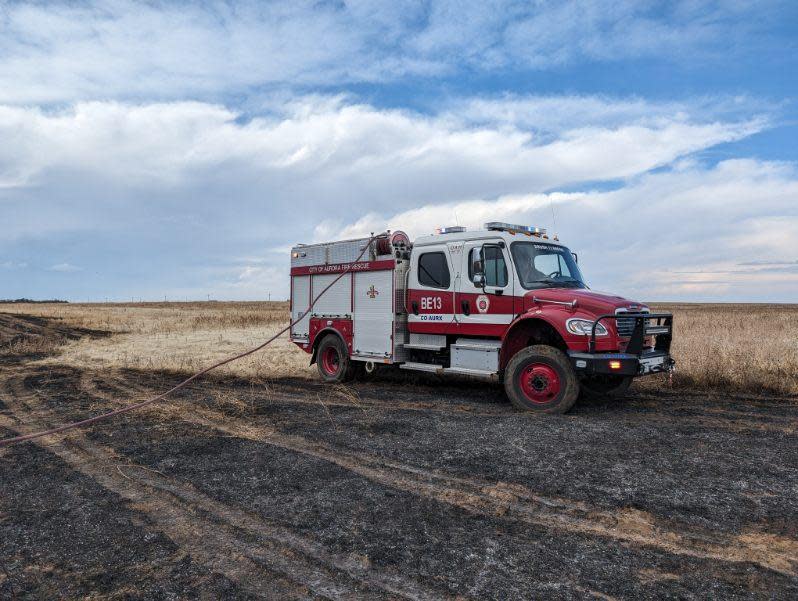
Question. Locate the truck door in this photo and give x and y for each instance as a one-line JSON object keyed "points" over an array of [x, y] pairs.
{"points": [[431, 290], [485, 311]]}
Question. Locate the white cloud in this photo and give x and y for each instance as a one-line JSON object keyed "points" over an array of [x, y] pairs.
{"points": [[61, 51], [349, 144], [696, 233], [172, 187], [65, 268], [13, 265], [545, 115], [608, 30]]}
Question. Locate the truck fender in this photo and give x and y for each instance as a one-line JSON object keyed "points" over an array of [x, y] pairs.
{"points": [[529, 329], [319, 337]]}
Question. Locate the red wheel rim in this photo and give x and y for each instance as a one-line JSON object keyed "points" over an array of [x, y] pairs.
{"points": [[330, 361], [539, 383]]}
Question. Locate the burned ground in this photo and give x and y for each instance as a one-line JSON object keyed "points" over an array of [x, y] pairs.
{"points": [[385, 489]]}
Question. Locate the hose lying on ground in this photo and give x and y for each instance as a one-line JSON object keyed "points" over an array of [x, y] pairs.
{"points": [[133, 407]]}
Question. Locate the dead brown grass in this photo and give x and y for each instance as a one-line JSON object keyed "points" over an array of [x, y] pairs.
{"points": [[31, 345], [730, 347], [740, 347], [181, 337]]}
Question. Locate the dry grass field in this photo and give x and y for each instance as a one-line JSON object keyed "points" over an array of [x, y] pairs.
{"points": [[736, 347], [733, 347], [179, 337]]}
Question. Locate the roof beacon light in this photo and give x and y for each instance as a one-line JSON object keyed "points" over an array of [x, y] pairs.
{"points": [[509, 227], [452, 229]]}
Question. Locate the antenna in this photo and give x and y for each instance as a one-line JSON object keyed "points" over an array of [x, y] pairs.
{"points": [[553, 216]]}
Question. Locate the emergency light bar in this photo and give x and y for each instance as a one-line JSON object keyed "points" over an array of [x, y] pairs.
{"points": [[452, 229], [509, 227]]}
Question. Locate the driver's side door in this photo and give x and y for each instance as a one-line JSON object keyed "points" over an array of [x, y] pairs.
{"points": [[485, 311]]}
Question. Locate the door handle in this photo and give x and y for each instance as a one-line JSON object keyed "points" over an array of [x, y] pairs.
{"points": [[466, 306], [414, 305]]}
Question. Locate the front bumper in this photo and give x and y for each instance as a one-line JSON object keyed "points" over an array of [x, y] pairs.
{"points": [[635, 361], [621, 364]]}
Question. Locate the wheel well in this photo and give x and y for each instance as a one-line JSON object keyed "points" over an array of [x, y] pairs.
{"points": [[528, 332], [321, 336]]}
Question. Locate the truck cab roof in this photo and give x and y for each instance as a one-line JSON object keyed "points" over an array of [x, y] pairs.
{"points": [[509, 236]]}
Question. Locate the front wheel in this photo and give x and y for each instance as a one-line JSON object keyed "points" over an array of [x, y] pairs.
{"points": [[540, 378], [332, 360]]}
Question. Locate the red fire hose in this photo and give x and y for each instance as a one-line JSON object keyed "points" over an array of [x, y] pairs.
{"points": [[17, 439]]}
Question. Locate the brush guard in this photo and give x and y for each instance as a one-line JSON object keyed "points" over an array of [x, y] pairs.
{"points": [[635, 360]]}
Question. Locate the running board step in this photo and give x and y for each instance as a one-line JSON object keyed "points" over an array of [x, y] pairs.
{"points": [[477, 373], [424, 347], [429, 367], [439, 369]]}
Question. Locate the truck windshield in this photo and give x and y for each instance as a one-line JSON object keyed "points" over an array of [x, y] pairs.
{"points": [[542, 265]]}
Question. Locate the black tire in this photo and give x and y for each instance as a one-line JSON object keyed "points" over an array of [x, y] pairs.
{"points": [[333, 362], [605, 387], [540, 378]]}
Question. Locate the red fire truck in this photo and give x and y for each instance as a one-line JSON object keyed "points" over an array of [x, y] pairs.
{"points": [[506, 303]]}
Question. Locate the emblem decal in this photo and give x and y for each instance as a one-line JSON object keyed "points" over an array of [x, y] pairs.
{"points": [[483, 303], [372, 292]]}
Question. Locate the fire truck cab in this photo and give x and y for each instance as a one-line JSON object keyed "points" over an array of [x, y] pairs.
{"points": [[505, 303]]}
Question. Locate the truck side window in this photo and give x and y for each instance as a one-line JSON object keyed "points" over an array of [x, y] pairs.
{"points": [[433, 270], [493, 265]]}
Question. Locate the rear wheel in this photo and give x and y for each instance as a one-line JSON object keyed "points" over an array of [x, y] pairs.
{"points": [[333, 362], [540, 378], [605, 387]]}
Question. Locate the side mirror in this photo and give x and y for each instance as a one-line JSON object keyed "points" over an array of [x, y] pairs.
{"points": [[479, 280]]}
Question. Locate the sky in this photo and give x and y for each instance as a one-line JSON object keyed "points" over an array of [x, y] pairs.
{"points": [[178, 150]]}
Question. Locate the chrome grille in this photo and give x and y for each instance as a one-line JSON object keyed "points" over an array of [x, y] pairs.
{"points": [[626, 326]]}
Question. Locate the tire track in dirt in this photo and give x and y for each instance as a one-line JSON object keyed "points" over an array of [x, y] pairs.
{"points": [[226, 539], [341, 395], [210, 543], [722, 418], [338, 398], [513, 501]]}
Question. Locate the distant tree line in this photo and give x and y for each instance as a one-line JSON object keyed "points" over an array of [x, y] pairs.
{"points": [[28, 300]]}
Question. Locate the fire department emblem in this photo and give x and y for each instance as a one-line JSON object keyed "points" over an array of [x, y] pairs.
{"points": [[372, 292], [483, 303]]}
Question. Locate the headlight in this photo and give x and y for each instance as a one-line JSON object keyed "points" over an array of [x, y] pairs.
{"points": [[584, 327]]}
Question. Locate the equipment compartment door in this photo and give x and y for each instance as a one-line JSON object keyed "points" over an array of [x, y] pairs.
{"points": [[374, 313], [337, 301], [300, 300]]}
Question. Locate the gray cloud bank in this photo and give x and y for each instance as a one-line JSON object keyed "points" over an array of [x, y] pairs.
{"points": [[156, 198]]}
